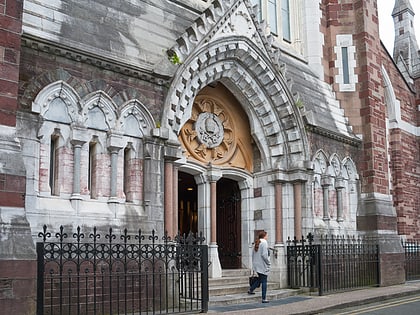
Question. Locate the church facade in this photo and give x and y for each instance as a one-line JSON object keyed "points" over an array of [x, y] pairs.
{"points": [[220, 117]]}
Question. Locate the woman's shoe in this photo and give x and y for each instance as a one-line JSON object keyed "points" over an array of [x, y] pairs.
{"points": [[265, 301], [250, 292]]}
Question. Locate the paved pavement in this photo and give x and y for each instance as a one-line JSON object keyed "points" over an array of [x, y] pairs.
{"points": [[314, 304]]}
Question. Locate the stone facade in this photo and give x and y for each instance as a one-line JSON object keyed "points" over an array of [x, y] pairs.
{"points": [[106, 108]]}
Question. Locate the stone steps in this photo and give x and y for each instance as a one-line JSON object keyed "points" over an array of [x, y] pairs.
{"points": [[232, 289]]}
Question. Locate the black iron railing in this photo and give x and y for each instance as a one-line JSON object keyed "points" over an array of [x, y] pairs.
{"points": [[91, 273], [412, 259], [332, 263], [303, 263]]}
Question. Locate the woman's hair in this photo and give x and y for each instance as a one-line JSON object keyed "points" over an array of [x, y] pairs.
{"points": [[261, 235]]}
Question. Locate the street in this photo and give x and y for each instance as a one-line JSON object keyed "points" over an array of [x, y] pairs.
{"points": [[404, 305]]}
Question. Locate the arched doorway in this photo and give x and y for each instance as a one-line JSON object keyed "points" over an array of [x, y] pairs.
{"points": [[217, 138], [229, 223], [187, 203]]}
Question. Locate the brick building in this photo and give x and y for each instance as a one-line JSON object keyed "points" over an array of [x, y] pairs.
{"points": [[212, 116]]}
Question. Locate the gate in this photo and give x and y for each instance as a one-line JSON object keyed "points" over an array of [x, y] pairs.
{"points": [[131, 274], [332, 264]]}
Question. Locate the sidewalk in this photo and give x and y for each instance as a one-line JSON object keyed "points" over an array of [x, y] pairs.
{"points": [[313, 304]]}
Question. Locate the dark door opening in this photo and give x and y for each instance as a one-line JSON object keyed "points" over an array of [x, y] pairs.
{"points": [[229, 223], [187, 204]]}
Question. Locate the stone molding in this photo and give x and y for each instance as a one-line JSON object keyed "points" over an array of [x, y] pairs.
{"points": [[52, 48]]}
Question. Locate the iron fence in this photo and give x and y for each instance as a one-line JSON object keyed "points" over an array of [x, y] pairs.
{"points": [[135, 274], [332, 263], [412, 259]]}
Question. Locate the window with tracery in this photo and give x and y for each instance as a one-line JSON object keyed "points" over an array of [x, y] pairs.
{"points": [[334, 191], [89, 147]]}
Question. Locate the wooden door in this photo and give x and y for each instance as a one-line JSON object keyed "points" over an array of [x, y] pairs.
{"points": [[229, 223]]}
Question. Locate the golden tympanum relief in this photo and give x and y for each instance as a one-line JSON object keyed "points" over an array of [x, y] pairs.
{"points": [[218, 131]]}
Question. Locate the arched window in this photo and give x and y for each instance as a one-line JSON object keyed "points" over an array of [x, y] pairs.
{"points": [[92, 169], [89, 148], [127, 182], [53, 168]]}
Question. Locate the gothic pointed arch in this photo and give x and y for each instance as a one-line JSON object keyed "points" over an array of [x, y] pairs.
{"points": [[57, 101], [335, 165], [237, 53], [134, 119], [99, 111], [320, 162], [349, 169]]}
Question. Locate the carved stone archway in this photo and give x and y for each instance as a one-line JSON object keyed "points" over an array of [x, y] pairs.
{"points": [[227, 44]]}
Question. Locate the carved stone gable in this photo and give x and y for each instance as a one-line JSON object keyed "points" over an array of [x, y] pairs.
{"points": [[225, 18]]}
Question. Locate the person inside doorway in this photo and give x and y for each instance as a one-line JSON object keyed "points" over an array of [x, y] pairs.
{"points": [[261, 264]]}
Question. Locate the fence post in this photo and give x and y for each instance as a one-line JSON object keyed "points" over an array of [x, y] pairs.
{"points": [[204, 279], [40, 279], [319, 271]]}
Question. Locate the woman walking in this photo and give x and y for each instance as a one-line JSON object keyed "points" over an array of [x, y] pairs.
{"points": [[261, 264]]}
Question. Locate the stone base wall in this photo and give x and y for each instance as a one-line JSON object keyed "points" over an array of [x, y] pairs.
{"points": [[18, 286], [392, 270]]}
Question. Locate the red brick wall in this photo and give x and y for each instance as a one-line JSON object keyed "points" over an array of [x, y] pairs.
{"points": [[365, 107], [38, 69], [10, 29], [12, 190], [17, 277], [404, 150]]}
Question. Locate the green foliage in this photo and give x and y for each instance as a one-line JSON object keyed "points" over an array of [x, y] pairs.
{"points": [[299, 104], [173, 57]]}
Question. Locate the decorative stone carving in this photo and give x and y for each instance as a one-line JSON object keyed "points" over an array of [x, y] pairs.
{"points": [[209, 130], [208, 135]]}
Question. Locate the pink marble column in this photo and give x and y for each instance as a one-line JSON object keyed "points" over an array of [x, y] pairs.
{"points": [[279, 212], [297, 195], [169, 199]]}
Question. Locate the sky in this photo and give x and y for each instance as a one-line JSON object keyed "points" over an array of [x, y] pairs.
{"points": [[386, 23]]}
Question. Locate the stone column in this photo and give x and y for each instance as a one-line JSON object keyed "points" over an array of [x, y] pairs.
{"points": [[77, 149], [213, 214], [339, 186], [79, 138], [325, 184], [175, 227], [215, 269], [279, 212], [297, 196], [115, 144], [169, 198], [153, 172], [114, 171], [171, 154]]}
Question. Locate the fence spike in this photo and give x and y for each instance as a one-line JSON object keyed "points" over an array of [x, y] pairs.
{"points": [[44, 234], [61, 235], [94, 235], [110, 236], [78, 236], [125, 237]]}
